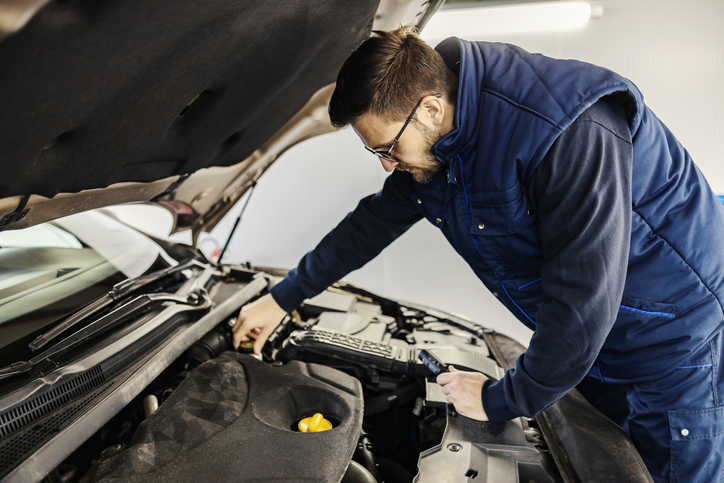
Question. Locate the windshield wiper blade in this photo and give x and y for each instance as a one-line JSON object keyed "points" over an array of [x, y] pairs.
{"points": [[197, 300], [119, 291], [87, 311]]}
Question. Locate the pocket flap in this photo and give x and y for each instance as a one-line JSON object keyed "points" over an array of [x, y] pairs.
{"points": [[648, 308], [501, 219], [692, 424]]}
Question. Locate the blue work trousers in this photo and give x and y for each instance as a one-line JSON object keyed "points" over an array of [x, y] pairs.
{"points": [[676, 422]]}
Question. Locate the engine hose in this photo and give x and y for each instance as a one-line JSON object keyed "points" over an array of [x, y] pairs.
{"points": [[208, 347], [364, 454], [397, 397], [356, 473]]}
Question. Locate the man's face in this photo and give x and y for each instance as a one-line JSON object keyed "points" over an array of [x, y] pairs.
{"points": [[412, 148]]}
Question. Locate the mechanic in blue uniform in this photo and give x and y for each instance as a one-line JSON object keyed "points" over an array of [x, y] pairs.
{"points": [[574, 205]]}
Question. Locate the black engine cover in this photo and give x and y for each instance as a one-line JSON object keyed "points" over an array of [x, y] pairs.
{"points": [[232, 419]]}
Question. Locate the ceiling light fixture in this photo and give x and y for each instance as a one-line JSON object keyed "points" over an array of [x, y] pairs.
{"points": [[479, 23]]}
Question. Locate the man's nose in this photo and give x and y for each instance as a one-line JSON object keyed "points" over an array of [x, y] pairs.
{"points": [[388, 164]]}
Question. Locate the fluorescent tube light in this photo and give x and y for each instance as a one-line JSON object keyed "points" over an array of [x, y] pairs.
{"points": [[481, 22]]}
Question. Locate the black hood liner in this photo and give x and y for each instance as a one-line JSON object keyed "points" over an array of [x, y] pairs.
{"points": [[100, 92]]}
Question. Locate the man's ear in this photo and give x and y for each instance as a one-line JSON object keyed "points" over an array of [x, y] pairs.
{"points": [[434, 108]]}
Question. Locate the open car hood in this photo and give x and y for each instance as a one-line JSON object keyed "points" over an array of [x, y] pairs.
{"points": [[175, 102]]}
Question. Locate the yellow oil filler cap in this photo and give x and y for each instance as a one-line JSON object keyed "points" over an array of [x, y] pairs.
{"points": [[314, 424]]}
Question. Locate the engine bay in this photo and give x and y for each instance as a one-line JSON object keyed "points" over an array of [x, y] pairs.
{"points": [[165, 397], [348, 355]]}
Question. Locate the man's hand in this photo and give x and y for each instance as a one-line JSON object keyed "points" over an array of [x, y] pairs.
{"points": [[462, 389], [258, 320]]}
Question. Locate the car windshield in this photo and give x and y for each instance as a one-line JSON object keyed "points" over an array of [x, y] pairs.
{"points": [[51, 270]]}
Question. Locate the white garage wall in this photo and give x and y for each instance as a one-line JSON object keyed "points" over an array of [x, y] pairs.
{"points": [[674, 52]]}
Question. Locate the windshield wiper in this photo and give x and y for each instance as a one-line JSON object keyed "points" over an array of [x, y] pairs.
{"points": [[119, 291], [196, 300]]}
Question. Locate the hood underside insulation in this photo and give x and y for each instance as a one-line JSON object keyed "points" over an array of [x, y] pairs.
{"points": [[97, 93]]}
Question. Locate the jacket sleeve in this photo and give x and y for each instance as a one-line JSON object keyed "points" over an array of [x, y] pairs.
{"points": [[376, 222], [582, 194]]}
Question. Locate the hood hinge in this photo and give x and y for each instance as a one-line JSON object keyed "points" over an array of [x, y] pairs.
{"points": [[172, 187], [17, 215]]}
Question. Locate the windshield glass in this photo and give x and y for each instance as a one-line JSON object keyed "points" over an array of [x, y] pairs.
{"points": [[50, 270]]}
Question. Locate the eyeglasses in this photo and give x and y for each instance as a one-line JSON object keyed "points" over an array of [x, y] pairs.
{"points": [[388, 154]]}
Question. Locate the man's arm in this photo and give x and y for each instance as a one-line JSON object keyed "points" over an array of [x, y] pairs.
{"points": [[376, 222], [582, 194]]}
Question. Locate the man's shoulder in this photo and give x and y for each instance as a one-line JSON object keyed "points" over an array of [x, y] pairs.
{"points": [[608, 112]]}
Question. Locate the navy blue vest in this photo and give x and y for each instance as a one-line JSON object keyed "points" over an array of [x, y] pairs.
{"points": [[511, 107]]}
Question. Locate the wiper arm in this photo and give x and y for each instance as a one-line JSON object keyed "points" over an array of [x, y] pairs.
{"points": [[119, 291], [126, 287], [196, 300]]}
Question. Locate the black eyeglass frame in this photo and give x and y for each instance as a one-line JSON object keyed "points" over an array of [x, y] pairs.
{"points": [[388, 154]]}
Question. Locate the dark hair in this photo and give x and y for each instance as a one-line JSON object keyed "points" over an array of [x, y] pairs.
{"points": [[387, 75]]}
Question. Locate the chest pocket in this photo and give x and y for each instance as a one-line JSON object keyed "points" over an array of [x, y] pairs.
{"points": [[433, 210], [501, 219], [510, 231]]}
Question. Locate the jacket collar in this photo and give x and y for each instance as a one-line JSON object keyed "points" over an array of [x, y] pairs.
{"points": [[465, 125]]}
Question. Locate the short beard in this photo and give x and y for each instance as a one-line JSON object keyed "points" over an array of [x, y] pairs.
{"points": [[430, 166]]}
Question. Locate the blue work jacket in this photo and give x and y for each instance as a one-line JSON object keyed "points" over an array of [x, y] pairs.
{"points": [[511, 107]]}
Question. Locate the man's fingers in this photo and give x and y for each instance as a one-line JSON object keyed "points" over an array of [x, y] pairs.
{"points": [[447, 377], [239, 337], [257, 320], [239, 321], [241, 331], [259, 343], [444, 378], [261, 339]]}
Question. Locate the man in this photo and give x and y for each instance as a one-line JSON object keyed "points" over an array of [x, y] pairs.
{"points": [[573, 204]]}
